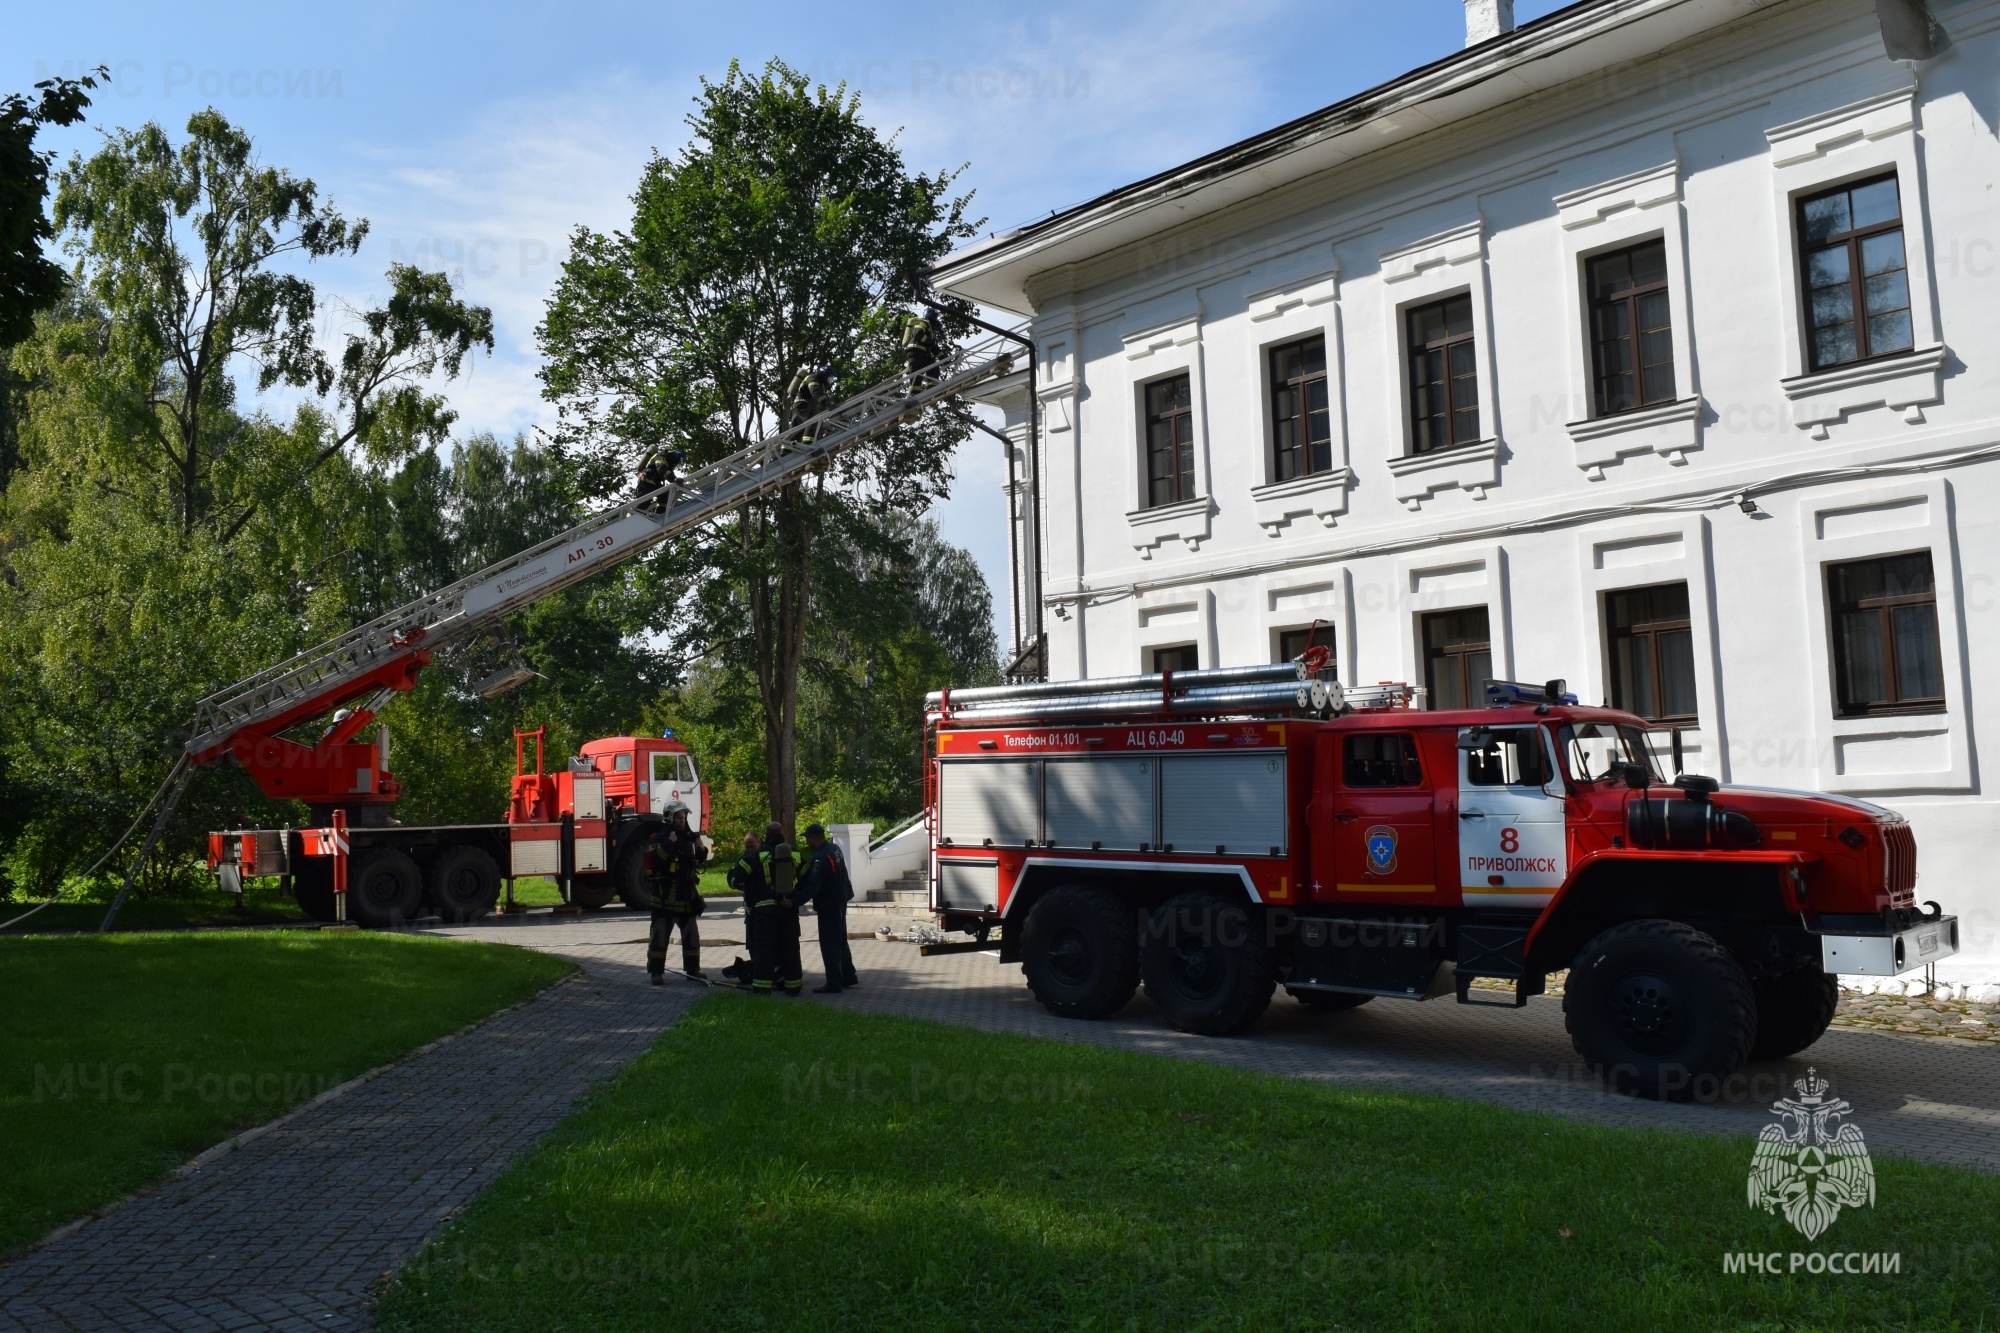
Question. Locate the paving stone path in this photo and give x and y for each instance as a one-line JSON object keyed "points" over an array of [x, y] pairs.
{"points": [[290, 1230]]}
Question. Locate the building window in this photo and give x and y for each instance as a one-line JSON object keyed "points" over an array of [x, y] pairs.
{"points": [[1458, 657], [1301, 421], [1169, 441], [1292, 643], [1857, 286], [1380, 759], [1885, 636], [1444, 376], [1631, 329], [1652, 653], [1180, 657]]}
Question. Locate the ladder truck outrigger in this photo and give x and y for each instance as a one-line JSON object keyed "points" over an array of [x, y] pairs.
{"points": [[583, 825], [1215, 834]]}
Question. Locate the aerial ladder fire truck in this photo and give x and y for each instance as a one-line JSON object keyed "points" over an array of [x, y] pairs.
{"points": [[582, 825], [1216, 834]]}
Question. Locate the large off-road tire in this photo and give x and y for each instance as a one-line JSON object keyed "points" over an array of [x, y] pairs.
{"points": [[464, 884], [1080, 952], [1660, 1009], [312, 886], [384, 888], [1793, 1010], [1206, 964], [627, 880], [1328, 1001]]}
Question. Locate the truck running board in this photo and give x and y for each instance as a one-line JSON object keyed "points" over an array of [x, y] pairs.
{"points": [[1524, 987]]}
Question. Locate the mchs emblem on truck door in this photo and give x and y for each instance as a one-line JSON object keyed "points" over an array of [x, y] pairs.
{"points": [[1381, 850]]}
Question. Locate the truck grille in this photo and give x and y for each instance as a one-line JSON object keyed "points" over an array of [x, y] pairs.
{"points": [[1900, 868]]}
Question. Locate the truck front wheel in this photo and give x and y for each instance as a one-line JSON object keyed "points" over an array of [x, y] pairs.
{"points": [[464, 884], [1206, 965], [1080, 952], [1658, 1008], [1793, 1010]]}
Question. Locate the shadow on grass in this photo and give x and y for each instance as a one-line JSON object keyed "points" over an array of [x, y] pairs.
{"points": [[781, 1165]]}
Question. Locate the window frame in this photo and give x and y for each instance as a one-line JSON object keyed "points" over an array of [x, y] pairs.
{"points": [[1596, 306], [1651, 631], [1274, 387], [1857, 285], [1458, 653], [1184, 485], [1413, 352], [1412, 756], [1884, 606], [1320, 635], [1153, 666]]}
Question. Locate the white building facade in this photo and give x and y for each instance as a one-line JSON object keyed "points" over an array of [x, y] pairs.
{"points": [[1654, 345]]}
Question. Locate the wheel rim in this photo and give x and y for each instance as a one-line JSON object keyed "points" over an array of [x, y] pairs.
{"points": [[462, 887], [1196, 970], [1650, 1014], [1070, 957], [382, 890]]}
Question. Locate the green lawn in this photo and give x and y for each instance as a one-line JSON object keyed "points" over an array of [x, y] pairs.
{"points": [[123, 1056], [262, 905], [772, 1164], [544, 893]]}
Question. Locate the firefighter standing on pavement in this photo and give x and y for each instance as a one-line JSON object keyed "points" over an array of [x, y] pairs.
{"points": [[674, 855], [782, 916], [825, 884], [746, 876]]}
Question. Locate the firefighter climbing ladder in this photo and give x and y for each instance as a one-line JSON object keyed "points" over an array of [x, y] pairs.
{"points": [[354, 664]]}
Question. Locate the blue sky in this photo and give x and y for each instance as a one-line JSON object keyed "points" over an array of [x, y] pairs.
{"points": [[475, 138]]}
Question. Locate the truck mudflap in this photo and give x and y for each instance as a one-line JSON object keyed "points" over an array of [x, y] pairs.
{"points": [[1890, 953]]}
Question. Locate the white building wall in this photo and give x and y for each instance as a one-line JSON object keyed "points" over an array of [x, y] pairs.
{"points": [[1704, 146]]}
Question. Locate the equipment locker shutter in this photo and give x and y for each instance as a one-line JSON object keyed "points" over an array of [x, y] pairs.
{"points": [[1235, 802], [972, 885], [1104, 800], [990, 800]]}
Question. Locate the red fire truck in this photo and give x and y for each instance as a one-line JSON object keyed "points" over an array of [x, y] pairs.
{"points": [[1217, 834], [584, 826]]}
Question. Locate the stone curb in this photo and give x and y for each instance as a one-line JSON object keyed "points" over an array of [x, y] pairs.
{"points": [[209, 1156]]}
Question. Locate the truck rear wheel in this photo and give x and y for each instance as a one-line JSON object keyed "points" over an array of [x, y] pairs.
{"points": [[464, 884], [1660, 1009], [1328, 1001], [1793, 1010], [1080, 952], [384, 888], [1206, 966]]}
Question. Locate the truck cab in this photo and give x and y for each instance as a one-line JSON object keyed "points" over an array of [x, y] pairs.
{"points": [[646, 774]]}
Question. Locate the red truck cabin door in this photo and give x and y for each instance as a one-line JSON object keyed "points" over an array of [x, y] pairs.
{"points": [[1512, 839], [1382, 819]]}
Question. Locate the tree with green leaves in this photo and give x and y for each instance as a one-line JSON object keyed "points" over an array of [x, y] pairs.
{"points": [[788, 234]]}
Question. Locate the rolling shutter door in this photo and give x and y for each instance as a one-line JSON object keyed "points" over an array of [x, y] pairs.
{"points": [[972, 885], [990, 800], [1107, 801], [1235, 802]]}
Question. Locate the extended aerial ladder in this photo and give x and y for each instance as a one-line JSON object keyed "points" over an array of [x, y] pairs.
{"points": [[361, 670]]}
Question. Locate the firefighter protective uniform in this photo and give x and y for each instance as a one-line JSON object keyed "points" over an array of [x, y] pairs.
{"points": [[674, 855], [920, 344], [778, 918]]}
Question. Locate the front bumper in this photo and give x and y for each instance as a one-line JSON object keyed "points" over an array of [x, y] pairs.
{"points": [[1888, 955]]}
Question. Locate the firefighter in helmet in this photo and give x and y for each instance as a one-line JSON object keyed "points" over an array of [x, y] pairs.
{"points": [[658, 470], [920, 345], [808, 396], [674, 855]]}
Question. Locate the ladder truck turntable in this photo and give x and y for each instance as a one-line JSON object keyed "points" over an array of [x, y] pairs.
{"points": [[1213, 835], [583, 824]]}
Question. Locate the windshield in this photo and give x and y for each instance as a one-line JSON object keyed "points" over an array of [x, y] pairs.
{"points": [[1591, 750]]}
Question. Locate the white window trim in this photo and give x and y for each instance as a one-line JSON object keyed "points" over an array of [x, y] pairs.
{"points": [[1322, 594], [1430, 270], [1173, 628], [1612, 216], [1284, 314], [1641, 553], [1849, 143], [1150, 355], [1934, 534], [1488, 589]]}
